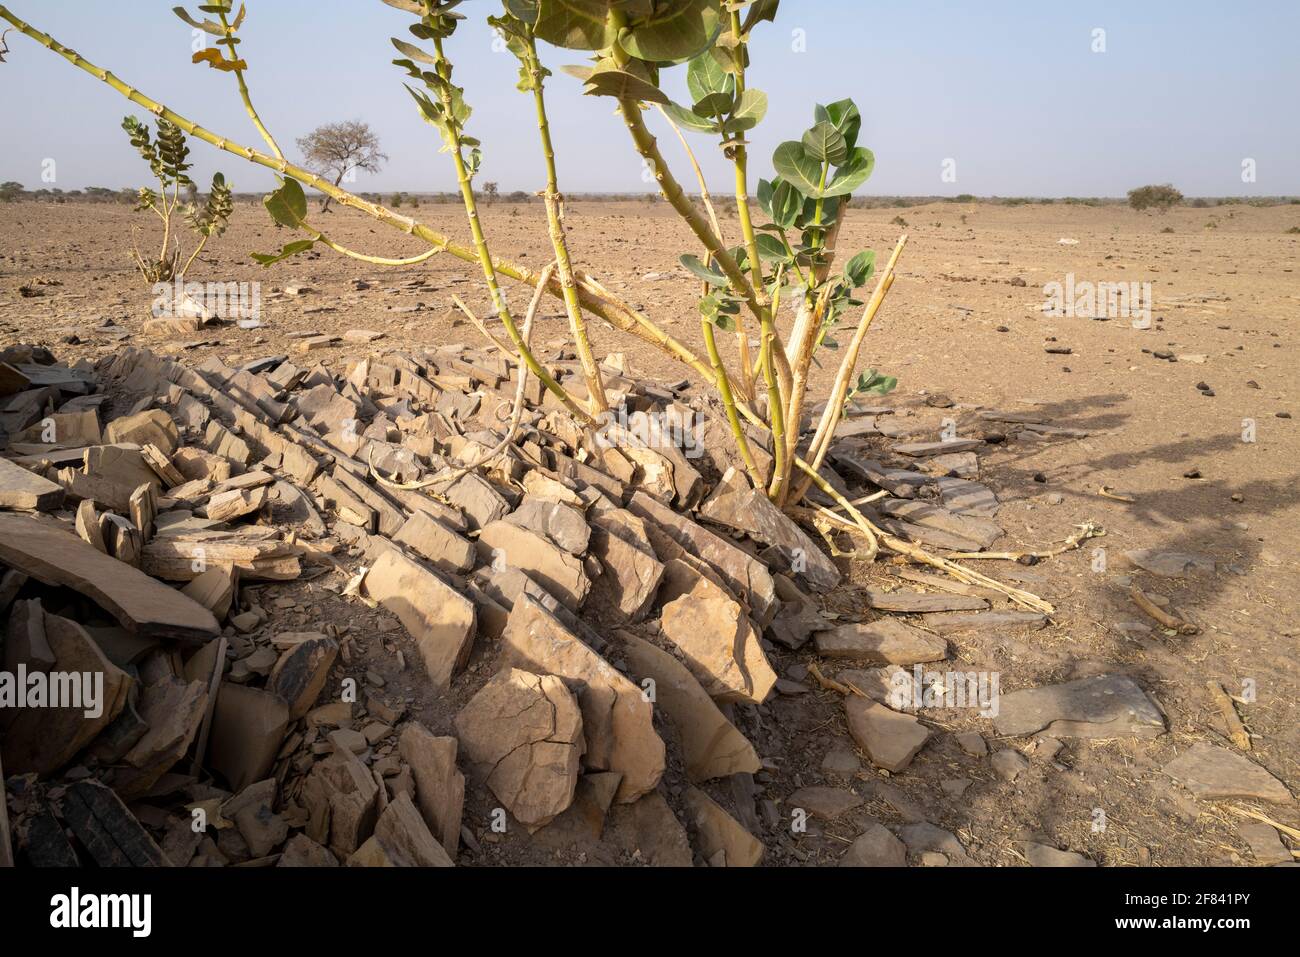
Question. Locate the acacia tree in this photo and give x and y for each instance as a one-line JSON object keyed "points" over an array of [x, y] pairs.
{"points": [[337, 149], [785, 253]]}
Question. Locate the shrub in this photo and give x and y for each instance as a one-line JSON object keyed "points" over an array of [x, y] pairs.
{"points": [[1160, 198]]}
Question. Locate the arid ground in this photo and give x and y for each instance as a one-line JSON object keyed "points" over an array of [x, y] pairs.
{"points": [[964, 321]]}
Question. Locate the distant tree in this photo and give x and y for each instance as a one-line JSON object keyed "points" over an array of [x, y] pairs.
{"points": [[1160, 198], [519, 196], [10, 191], [491, 191], [337, 149], [396, 201]]}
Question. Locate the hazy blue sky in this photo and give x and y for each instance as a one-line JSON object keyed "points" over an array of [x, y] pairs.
{"points": [[1011, 90]]}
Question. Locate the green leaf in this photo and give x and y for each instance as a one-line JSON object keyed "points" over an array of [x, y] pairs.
{"points": [[288, 204], [771, 249], [844, 116], [802, 171], [781, 201], [761, 10], [575, 24], [608, 80], [852, 173], [290, 249], [825, 143], [414, 52], [704, 75], [676, 31], [751, 107], [689, 119], [720, 311], [871, 381], [859, 270], [701, 271], [714, 104]]}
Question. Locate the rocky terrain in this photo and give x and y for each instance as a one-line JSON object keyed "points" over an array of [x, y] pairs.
{"points": [[324, 641]]}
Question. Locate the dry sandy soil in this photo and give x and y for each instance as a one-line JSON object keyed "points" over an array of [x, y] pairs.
{"points": [[963, 320]]}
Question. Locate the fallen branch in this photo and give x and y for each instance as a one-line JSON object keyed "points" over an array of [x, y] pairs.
{"points": [[1172, 622], [1236, 730], [1086, 531]]}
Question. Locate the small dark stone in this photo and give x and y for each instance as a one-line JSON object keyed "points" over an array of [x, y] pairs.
{"points": [[1040, 477], [1192, 473]]}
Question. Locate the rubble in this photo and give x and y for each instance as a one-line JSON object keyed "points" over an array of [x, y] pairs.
{"points": [[599, 629]]}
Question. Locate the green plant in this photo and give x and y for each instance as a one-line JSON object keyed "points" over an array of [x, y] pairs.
{"points": [[166, 155], [785, 257], [10, 191], [1160, 198]]}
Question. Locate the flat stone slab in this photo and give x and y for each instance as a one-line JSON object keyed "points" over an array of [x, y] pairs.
{"points": [[884, 642], [20, 488], [953, 623], [143, 605], [1100, 707], [924, 449], [1171, 564], [909, 600], [1214, 774]]}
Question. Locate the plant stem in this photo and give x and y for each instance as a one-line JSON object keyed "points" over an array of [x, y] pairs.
{"points": [[244, 94], [824, 435], [485, 256], [746, 384], [596, 400]]}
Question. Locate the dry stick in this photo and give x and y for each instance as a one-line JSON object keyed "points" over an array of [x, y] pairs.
{"points": [[1086, 531], [482, 327], [1286, 829], [835, 405], [1172, 622], [1236, 730], [516, 410], [875, 535]]}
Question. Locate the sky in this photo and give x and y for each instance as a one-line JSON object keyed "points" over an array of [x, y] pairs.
{"points": [[992, 98]]}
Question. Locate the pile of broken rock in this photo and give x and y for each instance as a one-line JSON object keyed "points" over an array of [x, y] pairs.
{"points": [[602, 611]]}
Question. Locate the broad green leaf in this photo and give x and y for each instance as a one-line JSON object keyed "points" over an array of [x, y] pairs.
{"points": [[676, 31], [771, 249], [714, 104], [524, 10], [688, 119], [844, 116], [802, 171], [859, 270], [410, 6], [824, 143], [290, 249], [704, 75], [701, 271], [288, 204], [751, 107], [760, 10], [781, 201], [852, 173], [607, 80], [575, 24]]}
